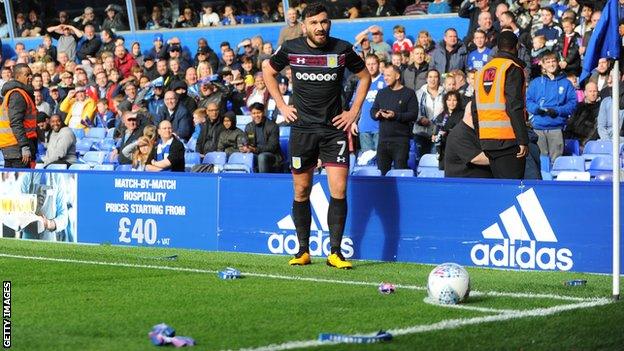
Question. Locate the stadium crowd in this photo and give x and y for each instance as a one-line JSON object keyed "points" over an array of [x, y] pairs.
{"points": [[164, 101]]}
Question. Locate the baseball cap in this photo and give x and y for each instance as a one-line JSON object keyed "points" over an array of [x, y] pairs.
{"points": [[202, 50], [110, 7], [245, 42], [158, 37], [42, 116], [178, 84], [174, 47]]}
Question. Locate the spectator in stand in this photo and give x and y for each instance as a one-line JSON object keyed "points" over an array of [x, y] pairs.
{"points": [[79, 108], [415, 75], [180, 88], [587, 8], [601, 74], [157, 21], [108, 41], [42, 106], [426, 41], [500, 9], [430, 105], [175, 52], [231, 139], [61, 144], [265, 53], [35, 23], [22, 27], [50, 48], [478, 57], [471, 9], [229, 60], [169, 153], [369, 128], [550, 29], [485, 25], [137, 54], [128, 135], [377, 44], [449, 83], [187, 19], [604, 122], [551, 99], [205, 53], [178, 115], [114, 19], [439, 6], [208, 139], [103, 117], [262, 137], [258, 93], [123, 61], [229, 17], [384, 9], [568, 46], [248, 50], [209, 18], [463, 155], [292, 30], [55, 100], [67, 37], [273, 113], [87, 18], [445, 121], [395, 108], [582, 124], [450, 54], [417, 8], [402, 43], [43, 129], [539, 49], [142, 153], [89, 45]]}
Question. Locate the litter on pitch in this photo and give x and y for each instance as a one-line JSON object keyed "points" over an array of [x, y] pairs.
{"points": [[230, 273], [163, 334], [356, 339], [575, 282], [386, 288]]}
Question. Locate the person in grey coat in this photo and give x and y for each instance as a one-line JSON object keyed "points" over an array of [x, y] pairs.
{"points": [[61, 143], [231, 138], [450, 54]]}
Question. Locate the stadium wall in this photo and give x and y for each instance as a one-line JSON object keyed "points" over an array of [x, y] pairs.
{"points": [[344, 29], [491, 223]]}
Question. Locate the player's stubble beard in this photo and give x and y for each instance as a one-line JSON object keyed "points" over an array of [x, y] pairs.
{"points": [[312, 37]]}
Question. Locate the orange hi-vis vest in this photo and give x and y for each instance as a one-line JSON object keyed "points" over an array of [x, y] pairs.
{"points": [[7, 138], [494, 122]]}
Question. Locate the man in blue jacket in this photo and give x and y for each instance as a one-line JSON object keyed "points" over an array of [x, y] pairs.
{"points": [[180, 118], [551, 99]]}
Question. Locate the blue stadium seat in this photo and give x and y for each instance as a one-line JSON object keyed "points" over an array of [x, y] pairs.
{"points": [[192, 158], [400, 173], [546, 175], [573, 176], [39, 165], [595, 148], [41, 149], [411, 160], [94, 157], [104, 167], [79, 133], [568, 163], [239, 160], [600, 164], [284, 132], [96, 133], [571, 147], [430, 172], [57, 166], [83, 146], [80, 167], [106, 144], [124, 168], [110, 132], [604, 177], [191, 145], [371, 171], [545, 163], [215, 158], [113, 161], [428, 161], [1, 159]]}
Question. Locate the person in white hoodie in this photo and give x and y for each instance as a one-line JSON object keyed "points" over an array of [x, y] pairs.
{"points": [[430, 105]]}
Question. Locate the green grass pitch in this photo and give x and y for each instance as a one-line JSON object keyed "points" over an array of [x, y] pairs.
{"points": [[82, 297]]}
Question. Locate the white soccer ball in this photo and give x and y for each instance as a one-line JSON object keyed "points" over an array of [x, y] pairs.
{"points": [[448, 284]]}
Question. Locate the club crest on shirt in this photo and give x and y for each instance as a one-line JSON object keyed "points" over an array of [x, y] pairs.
{"points": [[332, 61], [296, 162]]}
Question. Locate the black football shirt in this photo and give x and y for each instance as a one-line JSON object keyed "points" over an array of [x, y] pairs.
{"points": [[317, 75]]}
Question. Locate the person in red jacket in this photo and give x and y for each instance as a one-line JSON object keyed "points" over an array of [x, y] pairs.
{"points": [[123, 61]]}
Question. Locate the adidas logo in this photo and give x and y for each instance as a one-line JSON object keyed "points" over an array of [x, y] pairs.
{"points": [[524, 257], [319, 235]]}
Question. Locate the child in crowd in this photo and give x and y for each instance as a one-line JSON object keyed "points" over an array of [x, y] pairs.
{"points": [[103, 118], [199, 117], [401, 43], [478, 57], [539, 48]]}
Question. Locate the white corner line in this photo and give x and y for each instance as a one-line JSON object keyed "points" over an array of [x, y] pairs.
{"points": [[289, 277]]}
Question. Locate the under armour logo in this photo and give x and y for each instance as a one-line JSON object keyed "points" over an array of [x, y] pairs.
{"points": [[341, 159], [301, 60]]}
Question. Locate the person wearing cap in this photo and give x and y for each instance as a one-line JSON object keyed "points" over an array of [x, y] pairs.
{"points": [[114, 19], [79, 108], [206, 54], [293, 29], [180, 88], [498, 110], [175, 52], [181, 119], [156, 103], [158, 49], [377, 43], [238, 94], [43, 127], [157, 20], [61, 143]]}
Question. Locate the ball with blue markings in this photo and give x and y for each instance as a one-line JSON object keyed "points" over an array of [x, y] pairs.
{"points": [[448, 284]]}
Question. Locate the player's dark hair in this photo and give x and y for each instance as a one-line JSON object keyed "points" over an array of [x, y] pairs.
{"points": [[256, 106], [313, 9]]}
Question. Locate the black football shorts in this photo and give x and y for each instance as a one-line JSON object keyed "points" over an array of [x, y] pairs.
{"points": [[330, 146]]}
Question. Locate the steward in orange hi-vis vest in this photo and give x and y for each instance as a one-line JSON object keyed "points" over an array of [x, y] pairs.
{"points": [[494, 122]]}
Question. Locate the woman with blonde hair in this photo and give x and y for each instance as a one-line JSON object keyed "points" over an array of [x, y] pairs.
{"points": [[141, 156], [203, 70]]}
